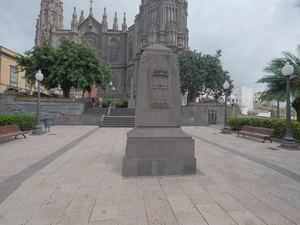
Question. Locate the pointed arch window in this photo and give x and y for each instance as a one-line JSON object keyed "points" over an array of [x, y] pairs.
{"points": [[114, 46], [130, 49]]}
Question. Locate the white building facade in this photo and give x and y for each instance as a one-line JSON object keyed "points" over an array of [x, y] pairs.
{"points": [[243, 96]]}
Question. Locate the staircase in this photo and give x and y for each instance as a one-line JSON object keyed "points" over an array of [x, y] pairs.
{"points": [[118, 121], [119, 117]]}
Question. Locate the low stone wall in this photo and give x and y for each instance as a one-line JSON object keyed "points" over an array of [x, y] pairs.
{"points": [[78, 120], [198, 114], [50, 108]]}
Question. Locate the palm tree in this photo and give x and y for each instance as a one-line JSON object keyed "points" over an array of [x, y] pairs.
{"points": [[276, 83]]}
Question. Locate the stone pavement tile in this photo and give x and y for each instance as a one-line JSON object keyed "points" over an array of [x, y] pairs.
{"points": [[246, 199], [215, 215], [280, 206], [204, 180], [157, 206], [201, 198], [86, 194], [211, 173], [77, 213], [104, 213], [170, 186], [62, 195], [213, 190], [190, 186], [48, 212], [108, 196], [133, 214], [246, 218], [37, 178], [23, 210], [104, 222], [285, 196], [180, 203], [131, 192], [8, 204], [274, 218], [192, 217], [291, 188], [159, 212], [151, 184], [14, 221], [228, 203]]}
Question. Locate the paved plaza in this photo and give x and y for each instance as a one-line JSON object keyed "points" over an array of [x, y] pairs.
{"points": [[72, 175]]}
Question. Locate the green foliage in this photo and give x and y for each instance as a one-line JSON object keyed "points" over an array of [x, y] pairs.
{"points": [[70, 65], [202, 74], [105, 104], [25, 122], [276, 83], [106, 100], [122, 103], [279, 125]]}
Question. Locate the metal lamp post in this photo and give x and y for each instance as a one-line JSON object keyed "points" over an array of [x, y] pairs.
{"points": [[225, 129], [110, 86], [113, 100], [38, 129], [288, 141]]}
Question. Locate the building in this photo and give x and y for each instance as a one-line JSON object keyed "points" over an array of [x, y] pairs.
{"points": [[10, 76], [163, 22], [243, 96]]}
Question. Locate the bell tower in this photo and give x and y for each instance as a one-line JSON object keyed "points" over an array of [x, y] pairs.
{"points": [[163, 22], [49, 20]]}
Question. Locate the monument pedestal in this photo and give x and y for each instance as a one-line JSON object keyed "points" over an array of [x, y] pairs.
{"points": [[158, 152], [157, 146]]}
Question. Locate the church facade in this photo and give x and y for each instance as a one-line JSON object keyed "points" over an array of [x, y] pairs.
{"points": [[158, 21]]}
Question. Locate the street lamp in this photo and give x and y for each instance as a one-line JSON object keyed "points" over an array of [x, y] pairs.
{"points": [[288, 141], [113, 100], [110, 86], [225, 129], [38, 129]]}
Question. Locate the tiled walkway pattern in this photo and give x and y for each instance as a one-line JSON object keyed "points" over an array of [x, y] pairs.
{"points": [[81, 182]]}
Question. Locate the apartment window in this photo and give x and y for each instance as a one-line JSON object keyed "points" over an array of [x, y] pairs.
{"points": [[13, 77]]}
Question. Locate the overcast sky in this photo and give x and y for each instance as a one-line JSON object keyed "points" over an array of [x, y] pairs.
{"points": [[249, 32]]}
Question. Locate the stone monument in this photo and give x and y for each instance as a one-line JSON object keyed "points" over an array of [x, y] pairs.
{"points": [[157, 145]]}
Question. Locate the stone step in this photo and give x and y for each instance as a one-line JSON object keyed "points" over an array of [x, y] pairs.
{"points": [[118, 121], [122, 112]]}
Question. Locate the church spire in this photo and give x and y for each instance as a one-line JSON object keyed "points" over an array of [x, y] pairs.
{"points": [[74, 24], [81, 19], [91, 8], [116, 26], [104, 21], [124, 25]]}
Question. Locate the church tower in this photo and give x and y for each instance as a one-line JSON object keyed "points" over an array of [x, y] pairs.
{"points": [[49, 20], [163, 22]]}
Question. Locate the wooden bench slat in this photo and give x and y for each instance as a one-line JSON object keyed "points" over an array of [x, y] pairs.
{"points": [[11, 131], [259, 132]]}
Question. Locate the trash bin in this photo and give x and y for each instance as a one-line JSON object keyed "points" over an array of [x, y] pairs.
{"points": [[47, 124]]}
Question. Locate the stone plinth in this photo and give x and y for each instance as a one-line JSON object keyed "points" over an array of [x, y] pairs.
{"points": [[157, 145]]}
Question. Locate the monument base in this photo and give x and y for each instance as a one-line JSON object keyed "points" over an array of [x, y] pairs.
{"points": [[158, 152]]}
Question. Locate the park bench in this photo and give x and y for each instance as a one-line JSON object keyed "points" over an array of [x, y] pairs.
{"points": [[10, 131], [259, 132]]}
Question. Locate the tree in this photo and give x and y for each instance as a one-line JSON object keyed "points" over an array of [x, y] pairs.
{"points": [[276, 83], [202, 74], [69, 65]]}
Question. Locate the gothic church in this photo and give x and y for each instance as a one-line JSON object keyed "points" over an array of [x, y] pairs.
{"points": [[158, 21]]}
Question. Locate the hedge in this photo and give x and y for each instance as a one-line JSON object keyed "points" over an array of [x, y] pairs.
{"points": [[25, 122], [122, 103], [279, 125]]}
